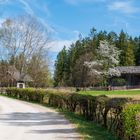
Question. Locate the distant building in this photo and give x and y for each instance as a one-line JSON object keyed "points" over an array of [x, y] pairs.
{"points": [[16, 78], [131, 75]]}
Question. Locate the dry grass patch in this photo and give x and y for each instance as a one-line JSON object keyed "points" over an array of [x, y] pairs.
{"points": [[134, 97]]}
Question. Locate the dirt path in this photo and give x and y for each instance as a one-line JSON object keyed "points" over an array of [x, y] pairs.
{"points": [[25, 121]]}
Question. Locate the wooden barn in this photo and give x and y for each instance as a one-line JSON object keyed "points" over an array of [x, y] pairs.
{"points": [[131, 75]]}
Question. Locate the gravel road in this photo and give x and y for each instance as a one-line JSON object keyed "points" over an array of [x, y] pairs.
{"points": [[20, 120]]}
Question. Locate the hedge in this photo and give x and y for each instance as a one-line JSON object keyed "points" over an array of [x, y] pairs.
{"points": [[119, 115], [131, 116], [34, 95]]}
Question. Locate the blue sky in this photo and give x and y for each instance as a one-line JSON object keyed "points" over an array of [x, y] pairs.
{"points": [[66, 19]]}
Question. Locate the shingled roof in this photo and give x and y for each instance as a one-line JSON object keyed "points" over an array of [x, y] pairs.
{"points": [[128, 69], [15, 74]]}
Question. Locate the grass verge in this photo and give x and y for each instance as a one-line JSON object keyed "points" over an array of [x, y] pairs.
{"points": [[88, 129]]}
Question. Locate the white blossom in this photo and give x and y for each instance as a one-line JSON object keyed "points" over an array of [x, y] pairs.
{"points": [[96, 72], [109, 53], [108, 59], [92, 64], [114, 72]]}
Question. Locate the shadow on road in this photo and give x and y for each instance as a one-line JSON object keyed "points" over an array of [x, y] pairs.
{"points": [[33, 119], [67, 131], [36, 120]]}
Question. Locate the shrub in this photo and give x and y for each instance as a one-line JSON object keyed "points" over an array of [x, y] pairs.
{"points": [[29, 94], [132, 121], [118, 82]]}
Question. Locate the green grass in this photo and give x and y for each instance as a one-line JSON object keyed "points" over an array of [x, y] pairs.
{"points": [[118, 92], [88, 129]]}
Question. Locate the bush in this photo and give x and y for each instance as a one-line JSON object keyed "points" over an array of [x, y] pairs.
{"points": [[115, 114], [33, 95], [118, 82], [132, 121]]}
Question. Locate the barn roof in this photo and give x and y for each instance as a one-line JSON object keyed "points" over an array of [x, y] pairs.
{"points": [[17, 75], [128, 69]]}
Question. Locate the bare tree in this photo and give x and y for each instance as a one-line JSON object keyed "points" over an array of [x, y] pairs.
{"points": [[20, 39]]}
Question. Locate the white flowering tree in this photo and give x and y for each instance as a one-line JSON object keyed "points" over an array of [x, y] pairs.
{"points": [[106, 61]]}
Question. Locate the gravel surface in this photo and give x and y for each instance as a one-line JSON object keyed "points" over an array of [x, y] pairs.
{"points": [[20, 120]]}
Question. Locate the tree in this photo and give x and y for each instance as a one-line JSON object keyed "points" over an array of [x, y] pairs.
{"points": [[122, 45], [61, 68], [90, 59], [129, 57], [80, 74], [38, 70], [112, 37], [23, 44], [137, 49], [21, 38], [4, 78], [107, 59]]}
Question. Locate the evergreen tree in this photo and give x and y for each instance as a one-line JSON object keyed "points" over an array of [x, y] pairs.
{"points": [[137, 50], [129, 57], [69, 66], [60, 68]]}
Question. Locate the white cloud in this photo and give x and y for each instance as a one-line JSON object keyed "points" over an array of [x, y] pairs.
{"points": [[121, 22], [29, 10], [123, 6], [46, 10], [118, 24], [57, 45], [49, 28], [1, 21], [74, 2], [27, 7]]}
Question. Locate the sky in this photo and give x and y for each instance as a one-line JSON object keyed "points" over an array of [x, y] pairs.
{"points": [[66, 19]]}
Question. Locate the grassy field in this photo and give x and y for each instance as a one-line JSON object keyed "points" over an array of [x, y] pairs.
{"points": [[135, 94]]}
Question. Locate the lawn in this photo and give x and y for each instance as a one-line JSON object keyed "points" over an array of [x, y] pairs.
{"points": [[135, 94]]}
